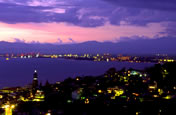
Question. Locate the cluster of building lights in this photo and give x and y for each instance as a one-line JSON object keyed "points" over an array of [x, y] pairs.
{"points": [[97, 57]]}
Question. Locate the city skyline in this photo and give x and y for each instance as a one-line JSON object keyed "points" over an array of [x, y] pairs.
{"points": [[65, 21]]}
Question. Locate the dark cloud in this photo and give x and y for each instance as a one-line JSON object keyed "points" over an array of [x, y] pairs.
{"points": [[170, 30], [17, 14], [35, 42], [134, 16], [17, 40], [12, 13], [60, 41], [91, 13], [81, 12], [149, 4], [71, 40]]}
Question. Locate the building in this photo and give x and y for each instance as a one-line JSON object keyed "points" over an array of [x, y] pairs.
{"points": [[123, 58], [35, 81]]}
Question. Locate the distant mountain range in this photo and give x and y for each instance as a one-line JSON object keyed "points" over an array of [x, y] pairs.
{"points": [[138, 46]]}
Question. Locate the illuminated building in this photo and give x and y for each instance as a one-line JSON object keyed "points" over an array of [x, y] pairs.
{"points": [[39, 96], [87, 101], [116, 91], [35, 82], [124, 58]]}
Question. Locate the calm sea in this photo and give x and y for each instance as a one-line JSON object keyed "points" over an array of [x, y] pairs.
{"points": [[19, 72]]}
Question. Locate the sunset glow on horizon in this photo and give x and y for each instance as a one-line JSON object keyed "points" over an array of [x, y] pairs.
{"points": [[63, 32]]}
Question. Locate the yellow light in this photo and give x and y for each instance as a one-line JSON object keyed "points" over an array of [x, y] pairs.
{"points": [[152, 87], [48, 113], [170, 60], [155, 96], [1, 96], [113, 97], [8, 109], [87, 101], [77, 79], [99, 91], [36, 100], [12, 106], [109, 91], [118, 92], [160, 91], [6, 106], [167, 97]]}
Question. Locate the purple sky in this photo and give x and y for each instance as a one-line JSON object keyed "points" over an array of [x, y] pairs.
{"points": [[74, 21]]}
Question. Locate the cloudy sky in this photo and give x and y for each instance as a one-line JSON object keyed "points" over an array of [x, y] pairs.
{"points": [[75, 21]]}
